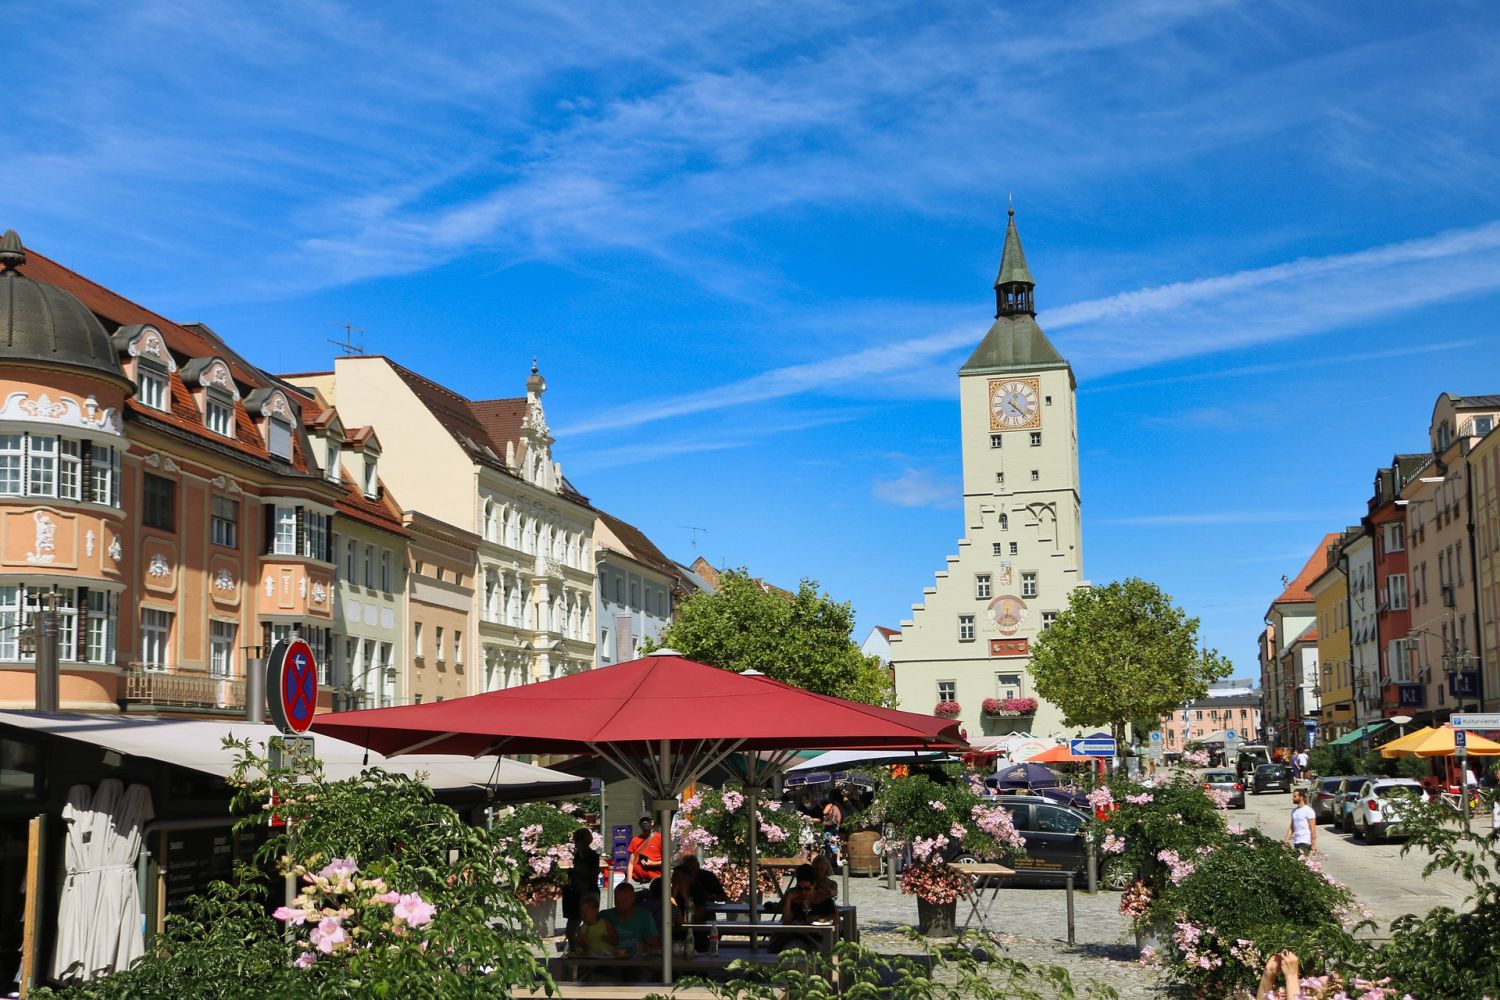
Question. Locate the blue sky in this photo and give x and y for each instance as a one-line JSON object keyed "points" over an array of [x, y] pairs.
{"points": [[752, 243]]}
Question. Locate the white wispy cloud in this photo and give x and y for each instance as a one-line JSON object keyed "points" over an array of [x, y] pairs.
{"points": [[918, 488]]}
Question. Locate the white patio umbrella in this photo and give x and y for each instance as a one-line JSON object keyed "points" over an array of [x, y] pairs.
{"points": [[118, 819], [70, 953]]}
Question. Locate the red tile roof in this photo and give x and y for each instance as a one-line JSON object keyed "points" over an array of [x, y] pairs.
{"points": [[380, 512], [455, 414], [887, 632], [642, 549], [501, 418], [1298, 591]]}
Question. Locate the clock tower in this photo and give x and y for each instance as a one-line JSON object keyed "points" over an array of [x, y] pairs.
{"points": [[969, 640]]}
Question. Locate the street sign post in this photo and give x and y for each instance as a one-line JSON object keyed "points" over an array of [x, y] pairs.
{"points": [[1475, 720], [1096, 747], [292, 685], [1461, 741], [1156, 738]]}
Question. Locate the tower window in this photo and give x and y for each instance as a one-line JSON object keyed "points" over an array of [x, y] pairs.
{"points": [[999, 477], [1028, 584], [1048, 617], [965, 628], [1015, 548], [1035, 475], [996, 440], [1004, 522], [1047, 400], [997, 548], [982, 586], [1036, 439]]}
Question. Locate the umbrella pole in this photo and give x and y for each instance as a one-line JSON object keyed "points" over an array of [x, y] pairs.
{"points": [[665, 804], [751, 804]]}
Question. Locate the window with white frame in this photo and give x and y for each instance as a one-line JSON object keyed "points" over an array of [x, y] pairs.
{"points": [[279, 439], [316, 528], [351, 562], [1028, 584], [1007, 685], [982, 586], [42, 472], [1004, 522], [1048, 617], [1395, 589], [437, 642], [99, 634], [284, 537], [221, 637], [1395, 537], [151, 385], [1035, 476], [156, 632], [1015, 548], [965, 628], [12, 464], [104, 473], [1036, 439], [225, 527], [947, 690], [69, 470], [458, 648], [416, 640], [997, 548], [370, 567], [385, 570], [996, 440], [372, 477], [218, 414]]}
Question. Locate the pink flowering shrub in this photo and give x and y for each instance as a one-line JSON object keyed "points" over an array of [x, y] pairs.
{"points": [[947, 710], [339, 911], [714, 824], [536, 840], [1196, 758], [1009, 708]]}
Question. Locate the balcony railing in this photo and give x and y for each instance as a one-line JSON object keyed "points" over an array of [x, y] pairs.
{"points": [[183, 688]]}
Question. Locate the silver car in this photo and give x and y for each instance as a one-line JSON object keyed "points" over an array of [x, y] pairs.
{"points": [[1226, 781]]}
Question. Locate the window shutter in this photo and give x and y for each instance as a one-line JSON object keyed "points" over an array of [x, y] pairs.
{"points": [[86, 471], [301, 530], [269, 544], [330, 550]]}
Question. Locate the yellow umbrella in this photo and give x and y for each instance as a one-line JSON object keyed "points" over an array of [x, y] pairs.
{"points": [[1439, 743], [1402, 746]]}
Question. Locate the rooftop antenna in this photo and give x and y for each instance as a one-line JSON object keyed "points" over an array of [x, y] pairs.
{"points": [[695, 531], [347, 346]]}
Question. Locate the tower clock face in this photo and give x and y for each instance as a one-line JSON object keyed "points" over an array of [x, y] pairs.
{"points": [[1013, 404]]}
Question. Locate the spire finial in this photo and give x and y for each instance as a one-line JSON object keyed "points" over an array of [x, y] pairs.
{"points": [[534, 368], [12, 253]]}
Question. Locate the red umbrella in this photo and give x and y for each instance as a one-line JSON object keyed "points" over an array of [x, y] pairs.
{"points": [[662, 719]]}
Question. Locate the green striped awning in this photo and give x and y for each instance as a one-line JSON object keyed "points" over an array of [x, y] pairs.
{"points": [[1354, 736]]}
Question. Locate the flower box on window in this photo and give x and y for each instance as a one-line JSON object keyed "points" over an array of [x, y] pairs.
{"points": [[1009, 708], [947, 710]]}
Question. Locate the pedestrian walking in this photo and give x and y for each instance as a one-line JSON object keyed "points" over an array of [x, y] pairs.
{"points": [[1299, 771], [1302, 832]]}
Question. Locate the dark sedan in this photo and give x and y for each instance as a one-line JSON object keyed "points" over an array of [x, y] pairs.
{"points": [[1325, 801], [1271, 777]]}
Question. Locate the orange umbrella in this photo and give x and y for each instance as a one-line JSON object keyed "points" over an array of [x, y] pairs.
{"points": [[1439, 743], [1057, 755]]}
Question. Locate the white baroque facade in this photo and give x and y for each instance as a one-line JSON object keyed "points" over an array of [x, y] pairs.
{"points": [[970, 638]]}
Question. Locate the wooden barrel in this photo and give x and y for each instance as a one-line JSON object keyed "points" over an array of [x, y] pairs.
{"points": [[862, 857]]}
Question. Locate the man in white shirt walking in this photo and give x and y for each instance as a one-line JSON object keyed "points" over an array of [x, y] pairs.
{"points": [[1302, 833], [1300, 760]]}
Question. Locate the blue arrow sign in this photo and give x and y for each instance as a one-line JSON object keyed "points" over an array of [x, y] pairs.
{"points": [[1092, 748], [1156, 737]]}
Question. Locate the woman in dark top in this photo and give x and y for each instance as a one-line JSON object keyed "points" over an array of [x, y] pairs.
{"points": [[583, 880]]}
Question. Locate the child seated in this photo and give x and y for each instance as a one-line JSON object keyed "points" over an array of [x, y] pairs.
{"points": [[595, 936]]}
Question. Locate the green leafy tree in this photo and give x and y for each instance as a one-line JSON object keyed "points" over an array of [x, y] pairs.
{"points": [[802, 639], [1122, 652]]}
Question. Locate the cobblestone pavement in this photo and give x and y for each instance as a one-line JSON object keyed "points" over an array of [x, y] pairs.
{"points": [[1033, 926]]}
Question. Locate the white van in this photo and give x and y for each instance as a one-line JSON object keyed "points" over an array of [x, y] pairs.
{"points": [[1249, 756]]}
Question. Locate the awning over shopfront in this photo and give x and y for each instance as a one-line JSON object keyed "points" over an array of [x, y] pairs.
{"points": [[198, 744], [1355, 735]]}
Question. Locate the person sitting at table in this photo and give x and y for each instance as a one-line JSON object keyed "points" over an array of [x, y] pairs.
{"points": [[706, 884], [635, 928], [595, 936], [645, 854], [805, 903]]}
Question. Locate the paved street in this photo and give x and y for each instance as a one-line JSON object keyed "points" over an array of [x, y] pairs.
{"points": [[1386, 882]]}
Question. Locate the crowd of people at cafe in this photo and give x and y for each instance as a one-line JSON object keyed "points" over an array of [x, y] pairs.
{"points": [[629, 927]]}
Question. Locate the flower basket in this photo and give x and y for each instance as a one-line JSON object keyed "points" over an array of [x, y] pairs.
{"points": [[1009, 708], [947, 710]]}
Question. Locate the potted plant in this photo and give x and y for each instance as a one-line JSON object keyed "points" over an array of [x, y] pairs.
{"points": [[714, 824], [947, 710], [1009, 708], [940, 815], [537, 839]]}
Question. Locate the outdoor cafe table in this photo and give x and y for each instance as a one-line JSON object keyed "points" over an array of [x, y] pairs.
{"points": [[978, 871], [848, 917]]}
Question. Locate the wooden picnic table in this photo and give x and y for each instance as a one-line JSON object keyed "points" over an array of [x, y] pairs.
{"points": [[848, 916]]}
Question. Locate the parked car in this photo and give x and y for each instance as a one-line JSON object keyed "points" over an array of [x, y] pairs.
{"points": [[1348, 792], [1378, 809], [1054, 836], [1226, 781], [1273, 777], [1323, 796], [1248, 758]]}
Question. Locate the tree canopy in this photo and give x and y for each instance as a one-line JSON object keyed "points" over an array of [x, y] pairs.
{"points": [[1122, 652], [802, 639]]}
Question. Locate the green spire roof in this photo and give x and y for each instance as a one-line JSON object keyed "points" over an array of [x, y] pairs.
{"points": [[1013, 269], [1014, 343]]}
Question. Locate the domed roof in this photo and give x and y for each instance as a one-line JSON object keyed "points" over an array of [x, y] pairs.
{"points": [[41, 322]]}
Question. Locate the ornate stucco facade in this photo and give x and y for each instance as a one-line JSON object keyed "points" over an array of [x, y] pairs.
{"points": [[1022, 552]]}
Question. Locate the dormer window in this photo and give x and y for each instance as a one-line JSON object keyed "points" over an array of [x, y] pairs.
{"points": [[372, 477], [279, 438], [331, 462], [151, 385], [218, 414]]}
